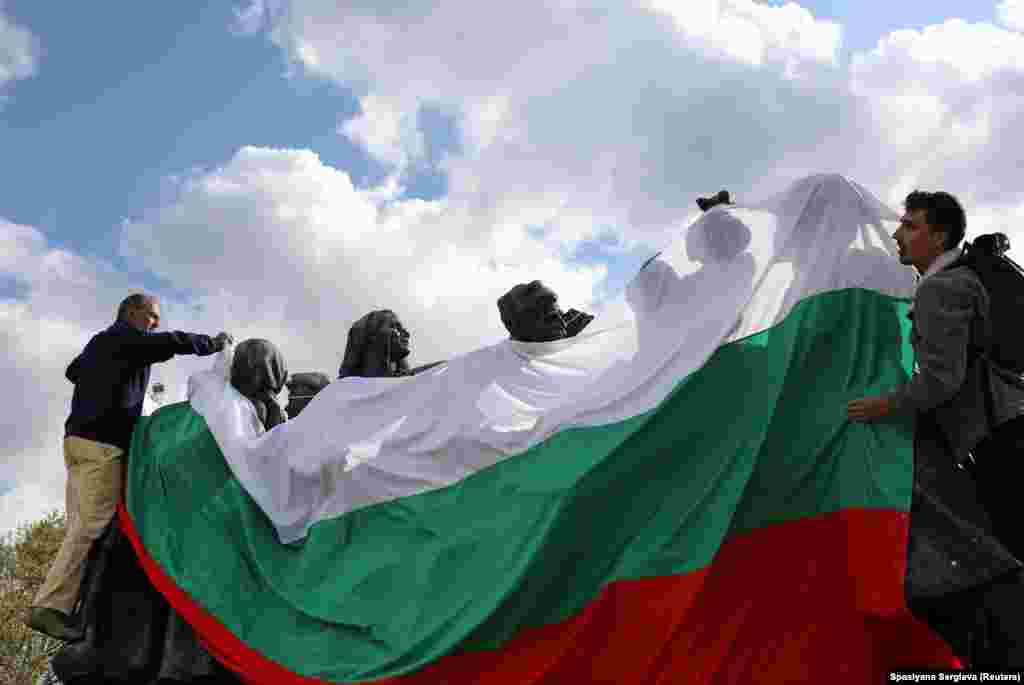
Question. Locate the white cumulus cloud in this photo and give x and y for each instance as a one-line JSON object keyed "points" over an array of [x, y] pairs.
{"points": [[281, 242], [1011, 14], [386, 130], [946, 102], [616, 113], [39, 335], [940, 59], [755, 33]]}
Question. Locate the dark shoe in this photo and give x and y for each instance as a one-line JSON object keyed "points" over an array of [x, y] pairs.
{"points": [[79, 660], [52, 622]]}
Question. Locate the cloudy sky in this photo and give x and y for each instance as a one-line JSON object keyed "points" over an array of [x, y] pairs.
{"points": [[278, 168]]}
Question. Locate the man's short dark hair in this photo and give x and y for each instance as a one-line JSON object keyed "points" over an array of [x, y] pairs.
{"points": [[133, 302], [942, 212]]}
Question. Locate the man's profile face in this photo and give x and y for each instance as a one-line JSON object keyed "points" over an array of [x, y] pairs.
{"points": [[145, 318], [918, 243], [537, 317]]}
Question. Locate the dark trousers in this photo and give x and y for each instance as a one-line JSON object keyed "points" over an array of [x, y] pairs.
{"points": [[962, 579], [982, 624], [995, 468], [1001, 603]]}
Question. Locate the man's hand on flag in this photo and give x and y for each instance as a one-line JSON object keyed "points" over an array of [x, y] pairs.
{"points": [[868, 408]]}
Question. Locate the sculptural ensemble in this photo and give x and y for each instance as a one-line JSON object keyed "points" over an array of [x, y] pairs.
{"points": [[131, 632]]}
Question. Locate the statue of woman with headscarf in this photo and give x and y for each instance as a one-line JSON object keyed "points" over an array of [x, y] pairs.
{"points": [[259, 373]]}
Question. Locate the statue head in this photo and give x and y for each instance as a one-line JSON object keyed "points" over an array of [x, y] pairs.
{"points": [[302, 387], [378, 345], [717, 237], [719, 198], [259, 373], [531, 313]]}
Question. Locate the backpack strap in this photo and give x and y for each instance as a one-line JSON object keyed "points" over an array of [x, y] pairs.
{"points": [[982, 356], [978, 353]]}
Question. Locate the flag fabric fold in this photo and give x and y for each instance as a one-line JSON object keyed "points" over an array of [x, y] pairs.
{"points": [[679, 498]]}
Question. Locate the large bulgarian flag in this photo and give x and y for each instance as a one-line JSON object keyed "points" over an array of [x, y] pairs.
{"points": [[677, 499]]}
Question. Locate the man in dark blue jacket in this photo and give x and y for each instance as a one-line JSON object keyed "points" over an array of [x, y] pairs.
{"points": [[110, 377]]}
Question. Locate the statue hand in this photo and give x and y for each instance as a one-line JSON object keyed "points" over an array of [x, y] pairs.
{"points": [[223, 340], [721, 198]]}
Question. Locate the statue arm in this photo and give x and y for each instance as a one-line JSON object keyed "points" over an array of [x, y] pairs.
{"points": [[431, 365]]}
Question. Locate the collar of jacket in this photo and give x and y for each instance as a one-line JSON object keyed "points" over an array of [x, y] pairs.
{"points": [[125, 327], [940, 263]]}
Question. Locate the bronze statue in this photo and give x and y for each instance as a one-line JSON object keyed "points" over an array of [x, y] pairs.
{"points": [[302, 387], [720, 198], [131, 632], [378, 346], [531, 313], [258, 372]]}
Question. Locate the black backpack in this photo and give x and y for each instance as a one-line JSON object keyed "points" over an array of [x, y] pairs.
{"points": [[1003, 278]]}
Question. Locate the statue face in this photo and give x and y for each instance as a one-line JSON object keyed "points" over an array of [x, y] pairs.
{"points": [[393, 329], [531, 313]]}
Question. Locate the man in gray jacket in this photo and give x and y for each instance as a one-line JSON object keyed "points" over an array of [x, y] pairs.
{"points": [[947, 391], [950, 315]]}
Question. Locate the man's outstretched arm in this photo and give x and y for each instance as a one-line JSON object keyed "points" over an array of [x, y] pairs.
{"points": [[153, 348], [944, 308]]}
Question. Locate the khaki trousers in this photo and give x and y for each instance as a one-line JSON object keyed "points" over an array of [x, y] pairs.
{"points": [[95, 481]]}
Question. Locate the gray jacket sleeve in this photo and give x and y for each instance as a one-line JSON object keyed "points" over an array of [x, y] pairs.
{"points": [[944, 308]]}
